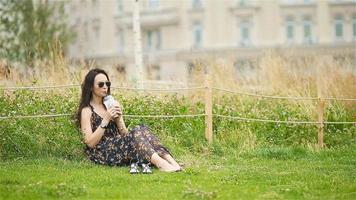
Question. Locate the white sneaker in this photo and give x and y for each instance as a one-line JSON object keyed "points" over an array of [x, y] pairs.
{"points": [[146, 169], [134, 168]]}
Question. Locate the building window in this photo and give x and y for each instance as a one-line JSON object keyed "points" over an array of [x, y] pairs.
{"points": [[120, 40], [153, 40], [190, 70], [153, 4], [289, 2], [122, 70], [197, 35], [354, 26], [339, 27], [97, 31], [308, 1], [120, 6], [197, 4], [245, 32], [95, 6], [153, 72], [149, 40], [242, 3], [96, 28], [158, 39], [307, 29], [86, 31], [290, 29], [95, 3]]}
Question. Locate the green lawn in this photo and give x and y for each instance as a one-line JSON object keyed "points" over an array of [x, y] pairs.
{"points": [[270, 173]]}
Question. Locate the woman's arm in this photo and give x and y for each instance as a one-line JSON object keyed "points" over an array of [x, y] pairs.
{"points": [[91, 138], [120, 123]]}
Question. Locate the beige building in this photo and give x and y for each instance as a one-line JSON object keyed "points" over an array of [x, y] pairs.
{"points": [[177, 32]]}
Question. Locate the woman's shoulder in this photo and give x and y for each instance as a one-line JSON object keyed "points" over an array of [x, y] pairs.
{"points": [[87, 111]]}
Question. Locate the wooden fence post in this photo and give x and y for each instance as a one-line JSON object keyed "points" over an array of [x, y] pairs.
{"points": [[320, 111], [208, 109], [320, 106]]}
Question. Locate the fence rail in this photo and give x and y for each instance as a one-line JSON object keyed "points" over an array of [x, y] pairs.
{"points": [[128, 116], [39, 87], [113, 87], [208, 106], [282, 97], [176, 90], [34, 116], [151, 89], [180, 116]]}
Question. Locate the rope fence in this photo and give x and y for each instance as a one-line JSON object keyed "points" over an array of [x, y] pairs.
{"points": [[113, 87], [181, 116], [38, 87], [208, 106], [278, 121], [150, 89], [34, 116], [280, 97], [128, 116], [264, 120], [176, 90], [164, 116]]}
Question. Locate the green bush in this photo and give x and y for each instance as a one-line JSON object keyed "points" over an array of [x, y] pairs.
{"points": [[60, 137]]}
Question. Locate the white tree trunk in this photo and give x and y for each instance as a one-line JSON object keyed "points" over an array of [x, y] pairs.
{"points": [[138, 44]]}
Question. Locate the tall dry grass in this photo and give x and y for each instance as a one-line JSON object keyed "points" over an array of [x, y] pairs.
{"points": [[55, 70], [286, 75]]}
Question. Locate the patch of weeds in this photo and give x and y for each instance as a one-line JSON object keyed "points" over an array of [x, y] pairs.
{"points": [[191, 171], [230, 180], [280, 153], [64, 190], [9, 182], [198, 193], [61, 190]]}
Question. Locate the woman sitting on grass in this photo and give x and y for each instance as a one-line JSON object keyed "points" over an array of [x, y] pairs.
{"points": [[106, 137]]}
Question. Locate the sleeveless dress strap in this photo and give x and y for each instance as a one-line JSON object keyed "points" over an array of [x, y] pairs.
{"points": [[91, 107]]}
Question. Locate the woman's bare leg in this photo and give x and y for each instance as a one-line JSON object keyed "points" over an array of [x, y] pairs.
{"points": [[171, 160], [162, 164]]}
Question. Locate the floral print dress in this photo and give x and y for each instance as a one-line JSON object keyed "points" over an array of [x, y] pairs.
{"points": [[118, 150]]}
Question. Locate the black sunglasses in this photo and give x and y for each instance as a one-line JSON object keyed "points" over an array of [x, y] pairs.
{"points": [[107, 83]]}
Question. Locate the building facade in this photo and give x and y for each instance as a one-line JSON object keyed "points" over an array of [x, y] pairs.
{"points": [[175, 33]]}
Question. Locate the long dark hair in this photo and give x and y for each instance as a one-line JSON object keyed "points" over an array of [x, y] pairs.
{"points": [[87, 87]]}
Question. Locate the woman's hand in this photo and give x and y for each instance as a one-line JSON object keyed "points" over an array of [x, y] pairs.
{"points": [[120, 120], [118, 110], [112, 113]]}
